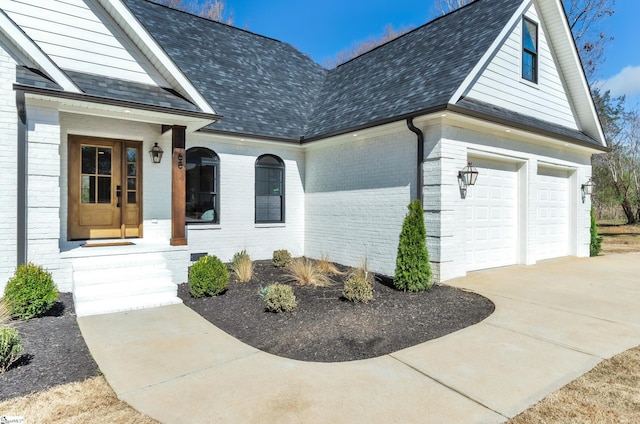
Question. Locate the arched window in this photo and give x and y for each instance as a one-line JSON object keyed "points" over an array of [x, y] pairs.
{"points": [[269, 189], [203, 186]]}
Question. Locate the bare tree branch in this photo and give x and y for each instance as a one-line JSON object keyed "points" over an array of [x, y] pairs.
{"points": [[210, 9]]}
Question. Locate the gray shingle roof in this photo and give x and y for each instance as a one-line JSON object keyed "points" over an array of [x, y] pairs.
{"points": [[501, 115], [261, 86], [97, 85], [34, 78], [413, 73]]}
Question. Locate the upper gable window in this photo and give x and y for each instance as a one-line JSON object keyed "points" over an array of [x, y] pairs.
{"points": [[529, 50]]}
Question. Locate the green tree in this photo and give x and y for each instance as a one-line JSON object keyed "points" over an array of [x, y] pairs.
{"points": [[413, 272]]}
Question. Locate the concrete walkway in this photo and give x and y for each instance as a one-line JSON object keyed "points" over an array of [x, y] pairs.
{"points": [[553, 322]]}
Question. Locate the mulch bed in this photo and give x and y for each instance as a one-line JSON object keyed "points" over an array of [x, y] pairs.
{"points": [[328, 328], [54, 353], [325, 327]]}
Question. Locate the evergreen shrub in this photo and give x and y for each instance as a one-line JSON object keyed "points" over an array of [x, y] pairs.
{"points": [[281, 258], [10, 347], [413, 272], [596, 241], [30, 293], [280, 298], [208, 277]]}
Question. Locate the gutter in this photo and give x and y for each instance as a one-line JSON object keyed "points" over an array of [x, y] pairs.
{"points": [[419, 160], [22, 153]]}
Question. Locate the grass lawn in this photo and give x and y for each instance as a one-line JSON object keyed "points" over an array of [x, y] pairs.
{"points": [[610, 393]]}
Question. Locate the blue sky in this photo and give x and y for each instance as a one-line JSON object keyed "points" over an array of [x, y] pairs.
{"points": [[323, 28]]}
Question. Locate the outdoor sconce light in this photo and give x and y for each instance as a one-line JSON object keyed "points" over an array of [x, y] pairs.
{"points": [[587, 189], [156, 153], [467, 177]]}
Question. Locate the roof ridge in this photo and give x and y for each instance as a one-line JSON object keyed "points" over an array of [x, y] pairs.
{"points": [[216, 22], [428, 23]]}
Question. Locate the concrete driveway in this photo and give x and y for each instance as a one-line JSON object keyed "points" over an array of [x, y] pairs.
{"points": [[553, 322]]}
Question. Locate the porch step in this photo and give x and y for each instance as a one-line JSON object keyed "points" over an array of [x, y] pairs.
{"points": [[122, 282]]}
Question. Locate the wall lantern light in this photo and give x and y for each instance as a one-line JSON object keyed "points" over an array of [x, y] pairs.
{"points": [[467, 177], [587, 189], [156, 153]]}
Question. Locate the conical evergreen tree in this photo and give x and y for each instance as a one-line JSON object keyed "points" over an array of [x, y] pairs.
{"points": [[594, 246], [413, 272]]}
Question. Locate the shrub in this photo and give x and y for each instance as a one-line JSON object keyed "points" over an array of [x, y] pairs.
{"points": [[358, 289], [242, 266], [10, 347], [208, 277], [596, 240], [280, 298], [281, 258], [305, 272], [413, 272], [30, 293], [327, 267], [262, 293]]}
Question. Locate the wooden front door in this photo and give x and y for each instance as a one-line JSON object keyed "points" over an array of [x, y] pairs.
{"points": [[104, 188]]}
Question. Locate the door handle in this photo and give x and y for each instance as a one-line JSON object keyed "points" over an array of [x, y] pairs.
{"points": [[118, 195]]}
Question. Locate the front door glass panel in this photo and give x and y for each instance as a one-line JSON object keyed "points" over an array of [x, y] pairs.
{"points": [[96, 175]]}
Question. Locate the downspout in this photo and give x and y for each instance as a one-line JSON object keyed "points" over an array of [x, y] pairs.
{"points": [[419, 160], [22, 179]]}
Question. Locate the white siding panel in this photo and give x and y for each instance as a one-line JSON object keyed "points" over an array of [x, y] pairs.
{"points": [[501, 84], [76, 38]]}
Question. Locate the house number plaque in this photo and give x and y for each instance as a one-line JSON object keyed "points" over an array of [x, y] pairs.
{"points": [[180, 157]]}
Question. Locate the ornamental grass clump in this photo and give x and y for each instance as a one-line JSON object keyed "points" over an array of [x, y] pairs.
{"points": [[5, 316], [305, 272], [327, 267], [280, 298], [10, 347], [281, 258], [242, 266], [30, 293], [208, 277], [413, 272]]}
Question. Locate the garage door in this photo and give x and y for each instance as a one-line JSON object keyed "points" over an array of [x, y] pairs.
{"points": [[552, 230], [492, 216]]}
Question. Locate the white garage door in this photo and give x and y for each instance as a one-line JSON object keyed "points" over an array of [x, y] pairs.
{"points": [[552, 226], [492, 216]]}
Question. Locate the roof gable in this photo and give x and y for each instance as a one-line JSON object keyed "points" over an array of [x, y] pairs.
{"points": [[261, 86], [413, 73]]}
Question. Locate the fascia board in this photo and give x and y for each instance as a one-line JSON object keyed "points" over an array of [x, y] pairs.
{"points": [[152, 50], [30, 49], [579, 91]]}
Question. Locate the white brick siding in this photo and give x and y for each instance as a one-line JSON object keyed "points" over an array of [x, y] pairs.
{"points": [[357, 192], [446, 156], [237, 229], [8, 167]]}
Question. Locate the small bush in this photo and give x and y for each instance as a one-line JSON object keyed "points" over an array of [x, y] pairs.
{"points": [[30, 293], [325, 266], [242, 266], [596, 241], [208, 277], [262, 293], [10, 347], [281, 258], [280, 298], [305, 272], [358, 289], [413, 272]]}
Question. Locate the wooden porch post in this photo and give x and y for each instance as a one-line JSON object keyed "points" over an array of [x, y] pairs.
{"points": [[178, 185]]}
